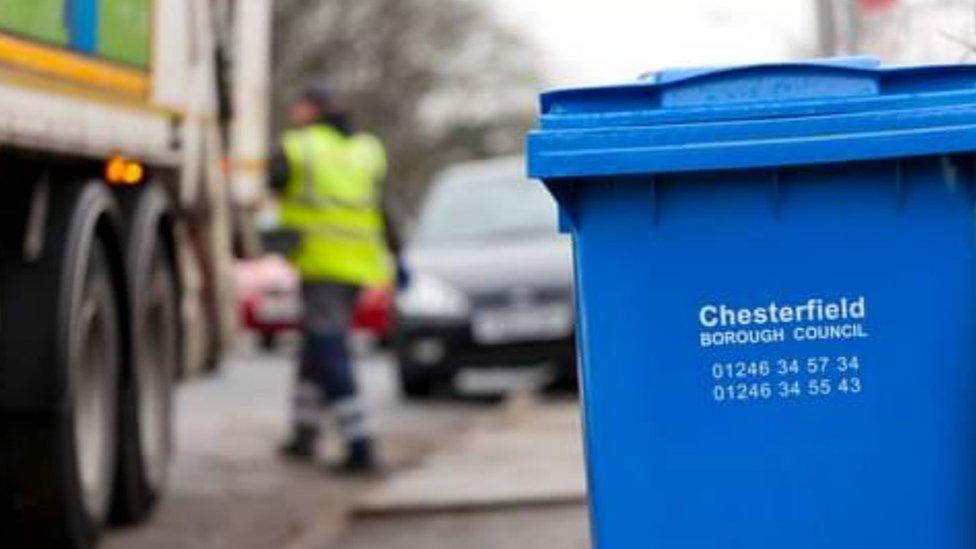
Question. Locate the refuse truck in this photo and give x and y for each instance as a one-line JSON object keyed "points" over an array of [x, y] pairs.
{"points": [[130, 140]]}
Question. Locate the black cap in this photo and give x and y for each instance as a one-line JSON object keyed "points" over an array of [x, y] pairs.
{"points": [[330, 111], [321, 96]]}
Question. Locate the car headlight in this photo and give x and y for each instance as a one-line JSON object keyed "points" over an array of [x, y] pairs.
{"points": [[430, 296]]}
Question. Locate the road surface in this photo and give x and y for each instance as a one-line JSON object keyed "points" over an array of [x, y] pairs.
{"points": [[229, 489]]}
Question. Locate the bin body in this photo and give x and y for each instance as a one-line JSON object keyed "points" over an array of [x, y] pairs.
{"points": [[776, 355]]}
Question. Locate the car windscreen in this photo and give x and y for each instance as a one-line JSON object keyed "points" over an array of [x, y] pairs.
{"points": [[464, 209]]}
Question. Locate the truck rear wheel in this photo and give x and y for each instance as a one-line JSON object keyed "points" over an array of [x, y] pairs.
{"points": [[93, 380], [146, 413], [63, 338]]}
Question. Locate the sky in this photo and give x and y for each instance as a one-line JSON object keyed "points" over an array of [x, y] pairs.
{"points": [[600, 41]]}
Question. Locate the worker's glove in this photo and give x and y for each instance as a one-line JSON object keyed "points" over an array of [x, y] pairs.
{"points": [[402, 274]]}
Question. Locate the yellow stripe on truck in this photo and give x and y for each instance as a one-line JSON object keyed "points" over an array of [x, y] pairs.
{"points": [[72, 67]]}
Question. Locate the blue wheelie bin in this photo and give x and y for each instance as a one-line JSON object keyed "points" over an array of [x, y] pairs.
{"points": [[775, 270]]}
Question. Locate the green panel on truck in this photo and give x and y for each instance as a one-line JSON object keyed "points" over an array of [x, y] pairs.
{"points": [[39, 19], [124, 31]]}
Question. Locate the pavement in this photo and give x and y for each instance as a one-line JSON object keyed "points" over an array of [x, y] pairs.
{"points": [[525, 454], [513, 479], [461, 471], [555, 528]]}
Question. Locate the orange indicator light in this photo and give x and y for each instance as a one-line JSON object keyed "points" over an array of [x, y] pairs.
{"points": [[133, 173], [122, 171]]}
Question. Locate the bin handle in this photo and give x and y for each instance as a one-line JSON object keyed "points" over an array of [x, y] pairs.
{"points": [[858, 63], [826, 80], [787, 82]]}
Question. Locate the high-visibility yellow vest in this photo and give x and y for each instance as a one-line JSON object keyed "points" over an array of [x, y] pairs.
{"points": [[333, 199]]}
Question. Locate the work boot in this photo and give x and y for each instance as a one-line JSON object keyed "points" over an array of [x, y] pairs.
{"points": [[301, 445], [361, 459]]}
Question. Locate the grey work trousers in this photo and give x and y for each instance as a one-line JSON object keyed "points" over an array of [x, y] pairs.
{"points": [[326, 380]]}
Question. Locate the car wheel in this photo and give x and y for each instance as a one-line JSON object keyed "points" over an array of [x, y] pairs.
{"points": [[414, 382], [566, 379], [268, 341]]}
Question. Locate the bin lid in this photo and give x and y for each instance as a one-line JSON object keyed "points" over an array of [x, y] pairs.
{"points": [[754, 116]]}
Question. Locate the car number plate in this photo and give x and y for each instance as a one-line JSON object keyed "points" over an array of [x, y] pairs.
{"points": [[545, 322], [278, 310], [493, 381]]}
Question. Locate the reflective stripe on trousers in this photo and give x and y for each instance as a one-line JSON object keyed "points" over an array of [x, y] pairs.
{"points": [[349, 413], [325, 371], [306, 403]]}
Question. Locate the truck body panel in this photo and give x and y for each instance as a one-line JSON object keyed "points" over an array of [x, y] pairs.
{"points": [[113, 30], [83, 82]]}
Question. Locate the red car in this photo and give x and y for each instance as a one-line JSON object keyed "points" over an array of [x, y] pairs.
{"points": [[374, 313], [270, 304]]}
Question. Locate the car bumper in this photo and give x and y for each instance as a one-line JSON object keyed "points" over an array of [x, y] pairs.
{"points": [[441, 349]]}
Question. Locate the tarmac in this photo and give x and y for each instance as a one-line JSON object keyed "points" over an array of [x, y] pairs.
{"points": [[462, 473]]}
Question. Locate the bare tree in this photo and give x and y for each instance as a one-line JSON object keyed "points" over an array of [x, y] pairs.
{"points": [[900, 31], [826, 28], [438, 80]]}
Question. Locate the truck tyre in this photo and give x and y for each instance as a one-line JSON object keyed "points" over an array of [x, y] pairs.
{"points": [[63, 342], [146, 396]]}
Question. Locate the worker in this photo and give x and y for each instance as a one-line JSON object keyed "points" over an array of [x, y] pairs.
{"points": [[330, 180]]}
